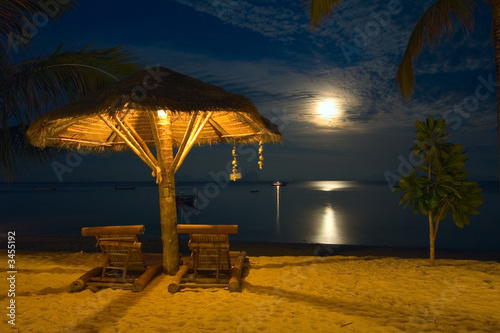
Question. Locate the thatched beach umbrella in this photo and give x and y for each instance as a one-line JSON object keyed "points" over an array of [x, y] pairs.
{"points": [[155, 107]]}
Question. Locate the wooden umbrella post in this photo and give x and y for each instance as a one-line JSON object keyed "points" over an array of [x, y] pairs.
{"points": [[161, 124], [168, 220]]}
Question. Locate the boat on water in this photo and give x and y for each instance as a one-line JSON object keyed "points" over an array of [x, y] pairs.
{"points": [[124, 188], [279, 183]]}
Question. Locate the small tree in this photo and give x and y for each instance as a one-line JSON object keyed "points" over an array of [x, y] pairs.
{"points": [[443, 188]]}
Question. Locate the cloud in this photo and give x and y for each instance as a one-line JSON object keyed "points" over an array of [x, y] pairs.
{"points": [[271, 19], [311, 66], [266, 51]]}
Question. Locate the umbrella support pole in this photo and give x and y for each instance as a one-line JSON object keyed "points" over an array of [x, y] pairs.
{"points": [[162, 132], [168, 219]]}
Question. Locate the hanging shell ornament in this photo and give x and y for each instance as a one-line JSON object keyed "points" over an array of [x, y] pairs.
{"points": [[235, 175], [235, 163], [261, 157]]}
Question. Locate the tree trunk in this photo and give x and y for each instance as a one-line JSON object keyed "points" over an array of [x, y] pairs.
{"points": [[168, 209], [432, 239], [495, 8]]}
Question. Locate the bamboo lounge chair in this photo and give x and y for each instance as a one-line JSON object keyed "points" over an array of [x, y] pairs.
{"points": [[211, 264], [123, 255]]}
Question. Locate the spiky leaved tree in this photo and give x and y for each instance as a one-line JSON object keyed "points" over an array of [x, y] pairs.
{"points": [[441, 19], [443, 187], [31, 87]]}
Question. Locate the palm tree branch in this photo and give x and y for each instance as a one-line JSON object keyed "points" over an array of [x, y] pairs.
{"points": [[16, 151], [16, 15], [320, 9], [438, 20], [34, 86], [39, 84]]}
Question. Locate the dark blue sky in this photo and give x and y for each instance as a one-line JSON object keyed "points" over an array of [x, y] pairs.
{"points": [[266, 51]]}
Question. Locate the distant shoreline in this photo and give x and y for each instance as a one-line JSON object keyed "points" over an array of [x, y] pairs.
{"points": [[153, 245]]}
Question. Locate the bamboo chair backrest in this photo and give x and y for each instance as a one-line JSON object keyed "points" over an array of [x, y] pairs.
{"points": [[209, 242], [120, 245]]}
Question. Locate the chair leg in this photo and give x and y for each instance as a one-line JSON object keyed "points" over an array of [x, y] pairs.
{"points": [[125, 268], [218, 263], [195, 261], [228, 259], [106, 263]]}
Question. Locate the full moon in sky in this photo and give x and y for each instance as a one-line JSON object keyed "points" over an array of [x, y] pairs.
{"points": [[327, 109]]}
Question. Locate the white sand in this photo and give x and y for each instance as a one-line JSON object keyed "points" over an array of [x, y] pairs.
{"points": [[280, 294]]}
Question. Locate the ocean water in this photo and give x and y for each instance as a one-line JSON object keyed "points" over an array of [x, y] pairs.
{"points": [[329, 212]]}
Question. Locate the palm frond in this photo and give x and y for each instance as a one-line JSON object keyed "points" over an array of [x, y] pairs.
{"points": [[438, 20], [16, 152], [17, 15], [32, 87], [320, 9]]}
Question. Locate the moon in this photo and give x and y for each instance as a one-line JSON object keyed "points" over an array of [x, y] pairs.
{"points": [[327, 109]]}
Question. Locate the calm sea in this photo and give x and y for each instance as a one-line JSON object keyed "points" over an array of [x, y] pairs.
{"points": [[332, 212]]}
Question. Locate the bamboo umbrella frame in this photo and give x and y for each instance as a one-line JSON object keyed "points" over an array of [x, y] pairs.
{"points": [[161, 108]]}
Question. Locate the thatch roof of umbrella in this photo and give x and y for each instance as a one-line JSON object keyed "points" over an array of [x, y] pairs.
{"points": [[162, 108], [78, 125]]}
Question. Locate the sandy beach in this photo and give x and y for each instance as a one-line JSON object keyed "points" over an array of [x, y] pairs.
{"points": [[338, 293]]}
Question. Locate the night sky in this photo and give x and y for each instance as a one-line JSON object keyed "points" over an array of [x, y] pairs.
{"points": [[266, 51]]}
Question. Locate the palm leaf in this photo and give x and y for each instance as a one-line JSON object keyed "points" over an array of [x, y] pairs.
{"points": [[15, 13], [320, 9], [438, 20], [34, 86], [16, 152]]}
